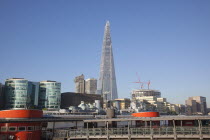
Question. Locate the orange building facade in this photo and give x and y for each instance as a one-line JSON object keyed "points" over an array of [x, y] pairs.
{"points": [[146, 114], [20, 131]]}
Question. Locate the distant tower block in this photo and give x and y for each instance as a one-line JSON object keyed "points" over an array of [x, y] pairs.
{"points": [[107, 81], [79, 84], [90, 86]]}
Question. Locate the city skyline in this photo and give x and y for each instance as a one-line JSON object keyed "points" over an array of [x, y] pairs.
{"points": [[165, 42]]}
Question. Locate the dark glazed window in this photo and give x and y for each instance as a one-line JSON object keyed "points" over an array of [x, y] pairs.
{"points": [[3, 129], [12, 128], [21, 128], [30, 128]]}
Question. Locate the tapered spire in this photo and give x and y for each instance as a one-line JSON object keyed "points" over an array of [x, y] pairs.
{"points": [[107, 81], [107, 23]]}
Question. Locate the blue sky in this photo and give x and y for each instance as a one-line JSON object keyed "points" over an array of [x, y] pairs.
{"points": [[167, 42]]}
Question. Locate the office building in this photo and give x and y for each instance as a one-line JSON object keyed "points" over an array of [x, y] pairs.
{"points": [[16, 95], [149, 100], [79, 84], [181, 109], [196, 105], [145, 92], [107, 86], [21, 93], [162, 108], [49, 95], [201, 104], [161, 99], [191, 107], [173, 109], [33, 92], [90, 86], [2, 101]]}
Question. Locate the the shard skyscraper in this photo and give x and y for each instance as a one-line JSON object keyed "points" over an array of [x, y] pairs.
{"points": [[107, 81]]}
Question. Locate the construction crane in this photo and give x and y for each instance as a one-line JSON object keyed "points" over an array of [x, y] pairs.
{"points": [[142, 83], [148, 84]]}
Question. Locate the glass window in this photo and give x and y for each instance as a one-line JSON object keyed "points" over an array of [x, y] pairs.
{"points": [[21, 128], [3, 129], [30, 128], [12, 128]]}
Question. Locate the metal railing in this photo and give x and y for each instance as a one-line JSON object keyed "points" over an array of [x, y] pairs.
{"points": [[133, 132]]}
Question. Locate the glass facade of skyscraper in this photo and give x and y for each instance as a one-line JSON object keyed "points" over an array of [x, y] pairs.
{"points": [[33, 93], [2, 101], [16, 93], [49, 95], [107, 85]]}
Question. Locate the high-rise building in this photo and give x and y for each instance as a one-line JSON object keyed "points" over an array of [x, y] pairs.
{"points": [[20, 93], [181, 108], [107, 86], [201, 104], [49, 95], [145, 92], [80, 84], [173, 109], [33, 92], [16, 94], [196, 105], [2, 101], [90, 86], [191, 107]]}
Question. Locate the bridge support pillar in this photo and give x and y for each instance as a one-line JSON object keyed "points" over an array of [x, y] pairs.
{"points": [[174, 125], [151, 130], [129, 133], [107, 130], [200, 129], [53, 130], [87, 132]]}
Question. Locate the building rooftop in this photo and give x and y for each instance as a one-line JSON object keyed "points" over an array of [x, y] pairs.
{"points": [[16, 79], [146, 90], [47, 81], [90, 79], [122, 99]]}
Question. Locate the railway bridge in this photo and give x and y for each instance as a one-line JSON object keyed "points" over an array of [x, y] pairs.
{"points": [[177, 127]]}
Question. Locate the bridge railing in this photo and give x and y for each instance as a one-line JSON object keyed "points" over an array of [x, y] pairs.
{"points": [[132, 131]]}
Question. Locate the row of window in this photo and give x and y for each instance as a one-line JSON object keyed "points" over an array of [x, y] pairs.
{"points": [[16, 84], [20, 128], [16, 98], [17, 102], [15, 106], [49, 106], [50, 85], [17, 92], [50, 92]]}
